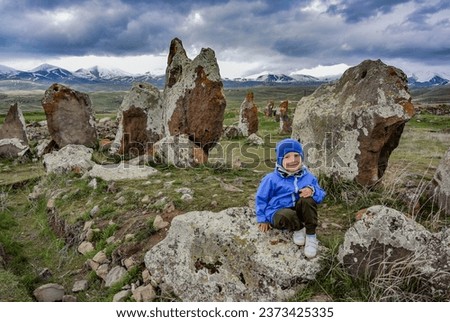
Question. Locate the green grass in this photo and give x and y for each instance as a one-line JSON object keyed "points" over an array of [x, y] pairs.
{"points": [[430, 122], [30, 102], [333, 281]]}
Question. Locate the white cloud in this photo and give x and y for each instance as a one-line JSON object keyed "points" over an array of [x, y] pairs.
{"points": [[323, 71]]}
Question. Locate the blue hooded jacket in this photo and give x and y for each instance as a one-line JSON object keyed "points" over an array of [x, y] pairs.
{"points": [[280, 189]]}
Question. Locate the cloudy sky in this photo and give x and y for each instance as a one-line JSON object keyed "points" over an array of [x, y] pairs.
{"points": [[315, 37]]}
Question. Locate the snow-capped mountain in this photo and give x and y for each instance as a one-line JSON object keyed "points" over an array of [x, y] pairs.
{"points": [[271, 78], [48, 72], [98, 78], [96, 72], [432, 80], [93, 78], [5, 70], [305, 78], [275, 78]]}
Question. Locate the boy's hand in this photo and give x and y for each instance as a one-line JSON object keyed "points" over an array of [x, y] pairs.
{"points": [[263, 227], [306, 192]]}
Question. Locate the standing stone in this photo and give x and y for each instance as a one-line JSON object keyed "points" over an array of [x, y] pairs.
{"points": [[351, 127], [441, 183], [268, 111], [285, 121], [13, 135], [140, 120], [14, 125], [193, 96], [248, 117], [70, 117]]}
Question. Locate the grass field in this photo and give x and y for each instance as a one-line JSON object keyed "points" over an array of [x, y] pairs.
{"points": [[31, 245]]}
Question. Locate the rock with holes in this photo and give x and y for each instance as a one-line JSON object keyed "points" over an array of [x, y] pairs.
{"points": [[223, 256], [349, 128], [386, 246], [70, 117], [140, 121], [194, 100]]}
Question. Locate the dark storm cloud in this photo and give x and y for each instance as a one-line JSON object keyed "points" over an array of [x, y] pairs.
{"points": [[87, 27], [116, 27], [356, 10], [277, 35]]}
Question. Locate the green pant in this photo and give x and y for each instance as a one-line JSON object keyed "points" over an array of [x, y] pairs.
{"points": [[304, 214]]}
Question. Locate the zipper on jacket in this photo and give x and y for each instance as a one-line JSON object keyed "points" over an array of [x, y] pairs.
{"points": [[295, 191]]}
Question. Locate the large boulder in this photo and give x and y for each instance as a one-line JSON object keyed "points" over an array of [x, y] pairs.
{"points": [[13, 134], [223, 256], [349, 128], [70, 117], [71, 158], [140, 120], [392, 250], [179, 151], [194, 100]]}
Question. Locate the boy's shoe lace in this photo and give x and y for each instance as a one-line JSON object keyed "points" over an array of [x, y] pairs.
{"points": [[299, 237], [311, 245]]}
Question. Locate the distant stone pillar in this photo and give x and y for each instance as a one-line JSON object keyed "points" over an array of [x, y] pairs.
{"points": [[285, 121], [70, 117], [268, 111], [248, 116]]}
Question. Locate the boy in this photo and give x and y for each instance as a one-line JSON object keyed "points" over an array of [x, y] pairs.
{"points": [[287, 198]]}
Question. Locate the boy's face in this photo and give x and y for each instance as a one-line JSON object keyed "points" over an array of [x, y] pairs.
{"points": [[292, 161]]}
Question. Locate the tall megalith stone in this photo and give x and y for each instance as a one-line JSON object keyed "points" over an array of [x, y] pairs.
{"points": [[349, 128], [70, 117], [194, 100], [140, 120]]}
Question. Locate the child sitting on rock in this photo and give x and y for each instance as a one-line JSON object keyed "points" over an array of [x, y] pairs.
{"points": [[287, 198]]}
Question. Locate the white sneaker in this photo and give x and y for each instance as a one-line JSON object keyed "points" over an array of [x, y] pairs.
{"points": [[299, 237], [311, 245]]}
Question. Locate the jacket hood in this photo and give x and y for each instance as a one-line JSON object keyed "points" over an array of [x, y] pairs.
{"points": [[285, 146]]}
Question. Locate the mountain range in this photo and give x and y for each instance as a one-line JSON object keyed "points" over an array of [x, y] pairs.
{"points": [[97, 78]]}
